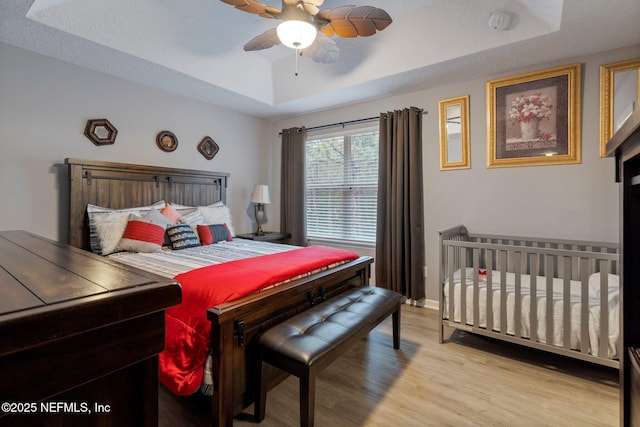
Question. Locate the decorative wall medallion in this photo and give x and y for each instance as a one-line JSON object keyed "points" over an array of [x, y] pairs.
{"points": [[166, 141], [100, 131], [208, 148]]}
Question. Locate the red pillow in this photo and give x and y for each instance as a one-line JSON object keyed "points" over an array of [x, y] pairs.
{"points": [[141, 236], [210, 234]]}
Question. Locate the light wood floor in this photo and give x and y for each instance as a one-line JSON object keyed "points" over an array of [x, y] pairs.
{"points": [[468, 381]]}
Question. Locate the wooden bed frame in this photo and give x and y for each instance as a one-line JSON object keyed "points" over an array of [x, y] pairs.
{"points": [[569, 260], [234, 325]]}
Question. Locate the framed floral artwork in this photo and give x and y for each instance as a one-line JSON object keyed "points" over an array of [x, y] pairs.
{"points": [[534, 118]]}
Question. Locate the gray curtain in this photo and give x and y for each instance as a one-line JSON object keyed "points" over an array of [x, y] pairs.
{"points": [[292, 205], [400, 232]]}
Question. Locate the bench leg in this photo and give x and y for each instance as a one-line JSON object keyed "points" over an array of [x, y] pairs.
{"points": [[396, 328], [260, 397], [307, 399]]}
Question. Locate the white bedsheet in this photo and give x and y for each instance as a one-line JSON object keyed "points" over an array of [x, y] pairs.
{"points": [[170, 263], [558, 338]]}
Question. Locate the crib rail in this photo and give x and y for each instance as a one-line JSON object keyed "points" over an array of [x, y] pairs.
{"points": [[552, 269]]}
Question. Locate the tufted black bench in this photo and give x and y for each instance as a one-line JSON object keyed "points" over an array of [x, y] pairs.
{"points": [[308, 342]]}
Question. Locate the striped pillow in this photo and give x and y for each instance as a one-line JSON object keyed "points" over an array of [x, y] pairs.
{"points": [[182, 236], [210, 234], [141, 236], [194, 218]]}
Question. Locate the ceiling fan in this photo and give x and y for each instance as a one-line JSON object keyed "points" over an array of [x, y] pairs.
{"points": [[307, 28]]}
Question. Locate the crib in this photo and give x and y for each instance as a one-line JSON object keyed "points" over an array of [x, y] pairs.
{"points": [[488, 280]]}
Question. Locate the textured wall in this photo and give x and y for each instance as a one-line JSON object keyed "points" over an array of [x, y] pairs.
{"points": [[44, 105], [565, 201]]}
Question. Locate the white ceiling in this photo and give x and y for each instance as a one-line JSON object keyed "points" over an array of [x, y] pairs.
{"points": [[194, 47]]}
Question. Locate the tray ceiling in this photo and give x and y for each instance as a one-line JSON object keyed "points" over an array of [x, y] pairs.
{"points": [[194, 47]]}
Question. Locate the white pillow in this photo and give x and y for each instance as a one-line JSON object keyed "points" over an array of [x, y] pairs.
{"points": [[110, 228], [155, 217], [217, 213], [106, 226]]}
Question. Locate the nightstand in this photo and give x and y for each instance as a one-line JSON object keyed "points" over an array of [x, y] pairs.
{"points": [[268, 236]]}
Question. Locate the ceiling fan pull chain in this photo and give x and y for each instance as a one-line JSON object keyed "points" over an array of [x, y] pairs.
{"points": [[296, 73]]}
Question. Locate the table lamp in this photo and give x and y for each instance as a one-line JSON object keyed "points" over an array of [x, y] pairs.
{"points": [[260, 197]]}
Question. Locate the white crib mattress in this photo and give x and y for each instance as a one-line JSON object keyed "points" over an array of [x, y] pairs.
{"points": [[558, 304]]}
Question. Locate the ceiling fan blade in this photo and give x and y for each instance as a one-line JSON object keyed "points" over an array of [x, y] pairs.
{"points": [[264, 41], [353, 21], [252, 6], [323, 50]]}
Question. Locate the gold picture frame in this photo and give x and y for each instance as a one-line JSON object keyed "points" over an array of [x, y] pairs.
{"points": [[617, 99], [454, 133], [534, 118]]}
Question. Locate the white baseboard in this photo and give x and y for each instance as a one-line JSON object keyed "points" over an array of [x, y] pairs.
{"points": [[431, 303], [426, 303]]}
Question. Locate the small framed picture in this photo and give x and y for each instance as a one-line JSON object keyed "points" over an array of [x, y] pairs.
{"points": [[208, 148], [166, 141]]}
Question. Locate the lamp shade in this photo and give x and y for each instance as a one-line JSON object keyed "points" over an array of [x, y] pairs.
{"points": [[260, 194], [296, 34]]}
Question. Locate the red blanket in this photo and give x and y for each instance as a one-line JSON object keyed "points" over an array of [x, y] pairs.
{"points": [[187, 328]]}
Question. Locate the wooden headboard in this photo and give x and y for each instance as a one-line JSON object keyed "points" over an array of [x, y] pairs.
{"points": [[122, 185]]}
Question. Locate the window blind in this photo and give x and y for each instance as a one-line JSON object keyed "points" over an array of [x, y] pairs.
{"points": [[342, 187]]}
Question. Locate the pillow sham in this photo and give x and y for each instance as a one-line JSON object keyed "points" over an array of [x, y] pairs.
{"points": [[154, 216], [183, 209], [141, 235], [182, 236], [106, 225], [215, 233], [170, 213], [192, 219]]}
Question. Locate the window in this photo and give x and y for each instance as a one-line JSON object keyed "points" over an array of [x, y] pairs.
{"points": [[342, 186]]}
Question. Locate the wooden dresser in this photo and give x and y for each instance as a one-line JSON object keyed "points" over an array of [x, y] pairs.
{"points": [[79, 336], [625, 146]]}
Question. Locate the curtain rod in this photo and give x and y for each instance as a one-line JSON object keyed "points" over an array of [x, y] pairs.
{"points": [[343, 124], [350, 122]]}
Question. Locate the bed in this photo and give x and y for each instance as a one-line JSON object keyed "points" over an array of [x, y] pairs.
{"points": [[488, 280], [235, 323]]}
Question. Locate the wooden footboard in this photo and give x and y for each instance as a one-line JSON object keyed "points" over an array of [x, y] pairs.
{"points": [[234, 326], [488, 281]]}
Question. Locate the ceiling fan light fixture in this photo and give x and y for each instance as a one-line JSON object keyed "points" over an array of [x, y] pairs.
{"points": [[296, 34]]}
